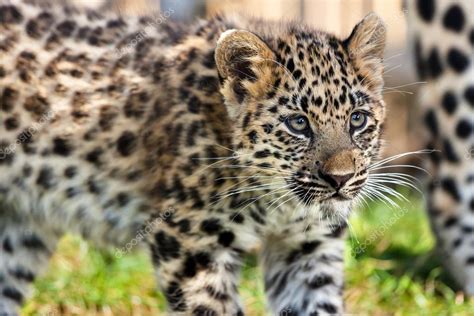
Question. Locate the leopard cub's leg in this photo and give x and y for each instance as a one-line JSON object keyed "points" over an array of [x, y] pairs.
{"points": [[304, 271], [25, 249], [198, 265]]}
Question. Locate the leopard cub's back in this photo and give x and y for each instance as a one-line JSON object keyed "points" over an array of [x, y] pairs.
{"points": [[76, 90]]}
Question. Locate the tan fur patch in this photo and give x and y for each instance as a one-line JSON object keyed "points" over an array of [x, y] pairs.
{"points": [[341, 163]]}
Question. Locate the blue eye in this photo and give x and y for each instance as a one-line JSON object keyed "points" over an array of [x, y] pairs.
{"points": [[298, 124], [358, 120]]}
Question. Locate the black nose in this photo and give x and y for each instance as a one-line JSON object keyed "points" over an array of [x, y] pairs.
{"points": [[336, 181]]}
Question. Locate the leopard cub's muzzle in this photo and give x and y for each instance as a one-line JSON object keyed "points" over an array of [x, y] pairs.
{"points": [[340, 172], [338, 177]]}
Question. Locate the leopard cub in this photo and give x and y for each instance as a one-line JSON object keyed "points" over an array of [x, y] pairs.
{"points": [[209, 140]]}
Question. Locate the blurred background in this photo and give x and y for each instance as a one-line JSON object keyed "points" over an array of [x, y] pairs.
{"points": [[391, 266]]}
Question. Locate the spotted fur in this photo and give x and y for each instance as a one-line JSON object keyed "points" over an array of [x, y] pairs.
{"points": [[442, 33], [195, 123]]}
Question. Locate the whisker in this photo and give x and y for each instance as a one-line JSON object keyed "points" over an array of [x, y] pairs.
{"points": [[391, 69], [368, 195], [246, 189], [397, 91], [254, 167], [385, 199], [396, 180], [215, 158], [383, 188], [394, 157], [211, 165], [252, 177], [403, 166], [226, 148], [304, 197], [393, 56], [380, 188], [289, 192], [397, 174], [406, 85], [360, 197], [278, 190], [291, 197]]}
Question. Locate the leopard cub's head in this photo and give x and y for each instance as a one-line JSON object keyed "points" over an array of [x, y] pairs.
{"points": [[307, 108]]}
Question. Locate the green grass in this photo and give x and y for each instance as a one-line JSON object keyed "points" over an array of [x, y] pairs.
{"points": [[390, 270], [398, 273]]}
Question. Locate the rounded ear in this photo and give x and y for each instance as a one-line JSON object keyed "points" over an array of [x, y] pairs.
{"points": [[366, 46], [244, 63], [238, 51]]}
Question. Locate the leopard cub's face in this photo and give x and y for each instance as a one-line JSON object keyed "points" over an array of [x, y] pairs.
{"points": [[308, 112]]}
